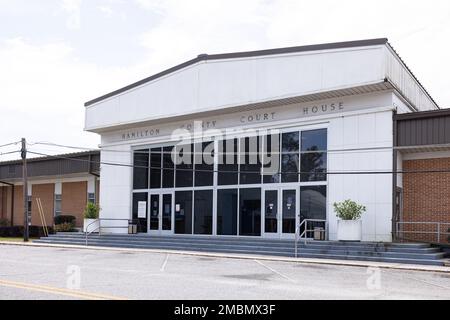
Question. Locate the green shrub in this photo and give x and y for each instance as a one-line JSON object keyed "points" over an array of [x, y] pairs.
{"points": [[349, 210], [4, 222], [17, 231], [92, 210], [64, 219], [64, 227]]}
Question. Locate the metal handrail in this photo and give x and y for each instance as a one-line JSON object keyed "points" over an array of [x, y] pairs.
{"points": [[87, 232], [438, 231], [305, 231]]}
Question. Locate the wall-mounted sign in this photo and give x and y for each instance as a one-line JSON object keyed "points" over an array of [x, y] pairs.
{"points": [[142, 209]]}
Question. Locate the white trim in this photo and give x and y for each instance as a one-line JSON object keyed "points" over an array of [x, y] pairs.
{"points": [[274, 125], [426, 155]]}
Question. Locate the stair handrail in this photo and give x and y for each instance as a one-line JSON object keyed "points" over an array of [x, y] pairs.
{"points": [[440, 229], [299, 236], [99, 227]]}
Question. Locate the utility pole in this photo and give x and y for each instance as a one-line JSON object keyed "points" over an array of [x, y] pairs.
{"points": [[25, 190]]}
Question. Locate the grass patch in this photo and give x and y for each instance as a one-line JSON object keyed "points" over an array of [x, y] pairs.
{"points": [[13, 239]]}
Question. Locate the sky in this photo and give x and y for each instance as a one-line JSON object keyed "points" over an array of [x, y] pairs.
{"points": [[57, 54]]}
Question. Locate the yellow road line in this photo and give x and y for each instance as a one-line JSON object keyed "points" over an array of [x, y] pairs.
{"points": [[58, 291]]}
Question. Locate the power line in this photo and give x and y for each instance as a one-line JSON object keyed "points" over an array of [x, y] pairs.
{"points": [[10, 144], [10, 152], [336, 151], [343, 172]]}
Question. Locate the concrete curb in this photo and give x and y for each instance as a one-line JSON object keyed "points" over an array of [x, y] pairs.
{"points": [[347, 263]]}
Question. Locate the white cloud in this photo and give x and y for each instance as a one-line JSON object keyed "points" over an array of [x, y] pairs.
{"points": [[73, 10], [107, 11], [44, 88]]}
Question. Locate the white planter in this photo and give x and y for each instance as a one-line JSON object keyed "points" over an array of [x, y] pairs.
{"points": [[91, 224], [349, 230]]}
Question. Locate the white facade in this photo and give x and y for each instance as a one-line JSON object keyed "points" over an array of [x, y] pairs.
{"points": [[277, 91]]}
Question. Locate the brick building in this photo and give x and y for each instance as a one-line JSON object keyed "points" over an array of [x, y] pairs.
{"points": [[423, 194], [64, 184]]}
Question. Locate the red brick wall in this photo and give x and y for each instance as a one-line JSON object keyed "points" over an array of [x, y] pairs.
{"points": [[46, 192], [74, 200], [426, 197]]}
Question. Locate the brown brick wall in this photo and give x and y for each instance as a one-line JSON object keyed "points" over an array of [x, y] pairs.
{"points": [[5, 202], [74, 200], [46, 192], [426, 197], [18, 206]]}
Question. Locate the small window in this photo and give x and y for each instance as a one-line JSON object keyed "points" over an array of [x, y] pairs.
{"points": [[57, 205], [91, 197], [29, 203]]}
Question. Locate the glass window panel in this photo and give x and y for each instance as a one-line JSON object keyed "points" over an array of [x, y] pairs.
{"points": [[289, 167], [91, 197], [167, 212], [289, 209], [140, 169], [271, 211], [314, 164], [183, 212], [314, 167], [168, 167], [250, 164], [271, 167], [290, 142], [250, 212], [314, 140], [203, 208], [142, 222], [313, 204], [155, 165], [204, 164], [184, 170], [290, 157], [58, 204], [227, 211], [154, 212], [228, 162]]}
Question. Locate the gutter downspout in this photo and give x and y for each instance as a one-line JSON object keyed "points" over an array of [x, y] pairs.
{"points": [[394, 177]]}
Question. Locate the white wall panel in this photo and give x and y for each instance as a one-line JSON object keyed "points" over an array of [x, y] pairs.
{"points": [[210, 85], [372, 190]]}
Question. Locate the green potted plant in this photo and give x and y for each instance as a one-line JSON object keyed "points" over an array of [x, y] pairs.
{"points": [[91, 222], [349, 226]]}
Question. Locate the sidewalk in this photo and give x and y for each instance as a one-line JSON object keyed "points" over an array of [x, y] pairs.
{"points": [[352, 263]]}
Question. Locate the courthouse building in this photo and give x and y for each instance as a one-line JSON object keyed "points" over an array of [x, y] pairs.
{"points": [[328, 110]]}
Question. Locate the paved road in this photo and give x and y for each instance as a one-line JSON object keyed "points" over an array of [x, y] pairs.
{"points": [[58, 273]]}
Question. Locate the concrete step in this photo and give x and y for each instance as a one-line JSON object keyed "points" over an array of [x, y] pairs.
{"points": [[245, 242], [259, 251], [373, 259], [175, 241], [363, 251], [252, 248], [380, 248], [262, 251], [197, 238]]}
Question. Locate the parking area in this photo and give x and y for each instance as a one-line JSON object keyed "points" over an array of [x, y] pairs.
{"points": [[62, 273]]}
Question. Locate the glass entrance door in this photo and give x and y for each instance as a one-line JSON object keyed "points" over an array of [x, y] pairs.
{"points": [[160, 218], [280, 212]]}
